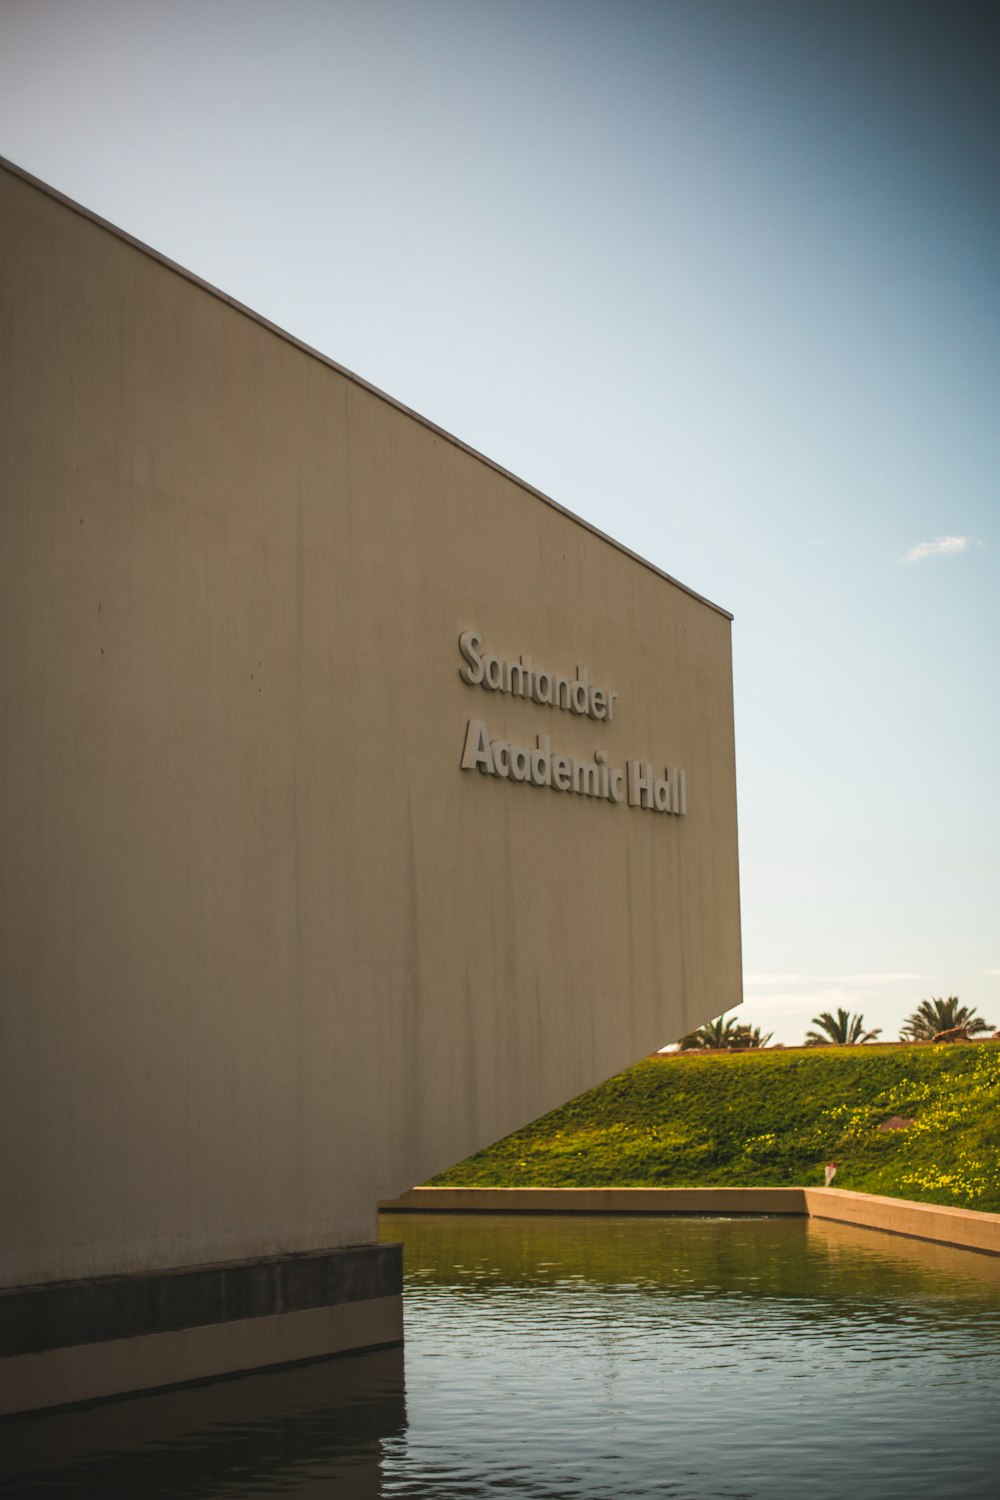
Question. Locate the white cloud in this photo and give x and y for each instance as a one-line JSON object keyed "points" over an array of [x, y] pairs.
{"points": [[754, 981], [901, 978], [784, 999], [992, 973], [942, 546], [805, 1002]]}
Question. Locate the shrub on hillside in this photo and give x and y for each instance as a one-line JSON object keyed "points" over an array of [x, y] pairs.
{"points": [[772, 1117]]}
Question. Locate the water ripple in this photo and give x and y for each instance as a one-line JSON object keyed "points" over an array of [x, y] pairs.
{"points": [[593, 1359]]}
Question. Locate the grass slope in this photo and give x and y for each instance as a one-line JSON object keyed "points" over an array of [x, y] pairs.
{"points": [[759, 1118]]}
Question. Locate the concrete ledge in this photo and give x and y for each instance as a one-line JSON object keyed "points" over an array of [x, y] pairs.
{"points": [[87, 1372], [964, 1228], [623, 1200], [71, 1341], [102, 1308]]}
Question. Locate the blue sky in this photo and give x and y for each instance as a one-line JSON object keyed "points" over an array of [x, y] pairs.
{"points": [[722, 277]]}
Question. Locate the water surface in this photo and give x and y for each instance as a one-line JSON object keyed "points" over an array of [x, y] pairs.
{"points": [[592, 1359], [603, 1357]]}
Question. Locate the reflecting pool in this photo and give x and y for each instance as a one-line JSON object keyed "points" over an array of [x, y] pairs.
{"points": [[557, 1358]]}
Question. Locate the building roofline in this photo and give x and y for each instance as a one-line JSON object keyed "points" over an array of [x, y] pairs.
{"points": [[366, 385]]}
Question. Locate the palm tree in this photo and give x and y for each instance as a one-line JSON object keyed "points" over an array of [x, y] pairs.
{"points": [[717, 1033], [746, 1036], [840, 1030], [933, 1016]]}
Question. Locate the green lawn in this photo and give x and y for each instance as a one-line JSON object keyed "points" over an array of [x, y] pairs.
{"points": [[774, 1116]]}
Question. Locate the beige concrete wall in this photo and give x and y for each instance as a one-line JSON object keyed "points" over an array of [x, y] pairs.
{"points": [[267, 953]]}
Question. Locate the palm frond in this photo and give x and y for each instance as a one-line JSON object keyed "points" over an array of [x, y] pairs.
{"points": [[935, 1015]]}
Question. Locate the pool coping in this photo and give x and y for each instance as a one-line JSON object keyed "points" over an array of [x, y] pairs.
{"points": [[962, 1228]]}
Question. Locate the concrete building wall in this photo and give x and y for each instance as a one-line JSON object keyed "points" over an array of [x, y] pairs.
{"points": [[268, 954]]}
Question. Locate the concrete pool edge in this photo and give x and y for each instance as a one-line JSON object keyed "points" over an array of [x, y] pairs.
{"points": [[63, 1343], [964, 1228], [612, 1200]]}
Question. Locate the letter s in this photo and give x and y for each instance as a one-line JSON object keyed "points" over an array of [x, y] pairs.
{"points": [[467, 643]]}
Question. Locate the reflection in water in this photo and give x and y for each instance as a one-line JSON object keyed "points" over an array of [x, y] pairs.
{"points": [[939, 1269], [314, 1430], [593, 1359], [604, 1357]]}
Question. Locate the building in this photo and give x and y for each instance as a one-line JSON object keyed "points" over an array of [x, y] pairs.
{"points": [[359, 805]]}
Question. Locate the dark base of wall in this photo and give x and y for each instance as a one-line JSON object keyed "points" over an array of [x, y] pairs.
{"points": [[67, 1342]]}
